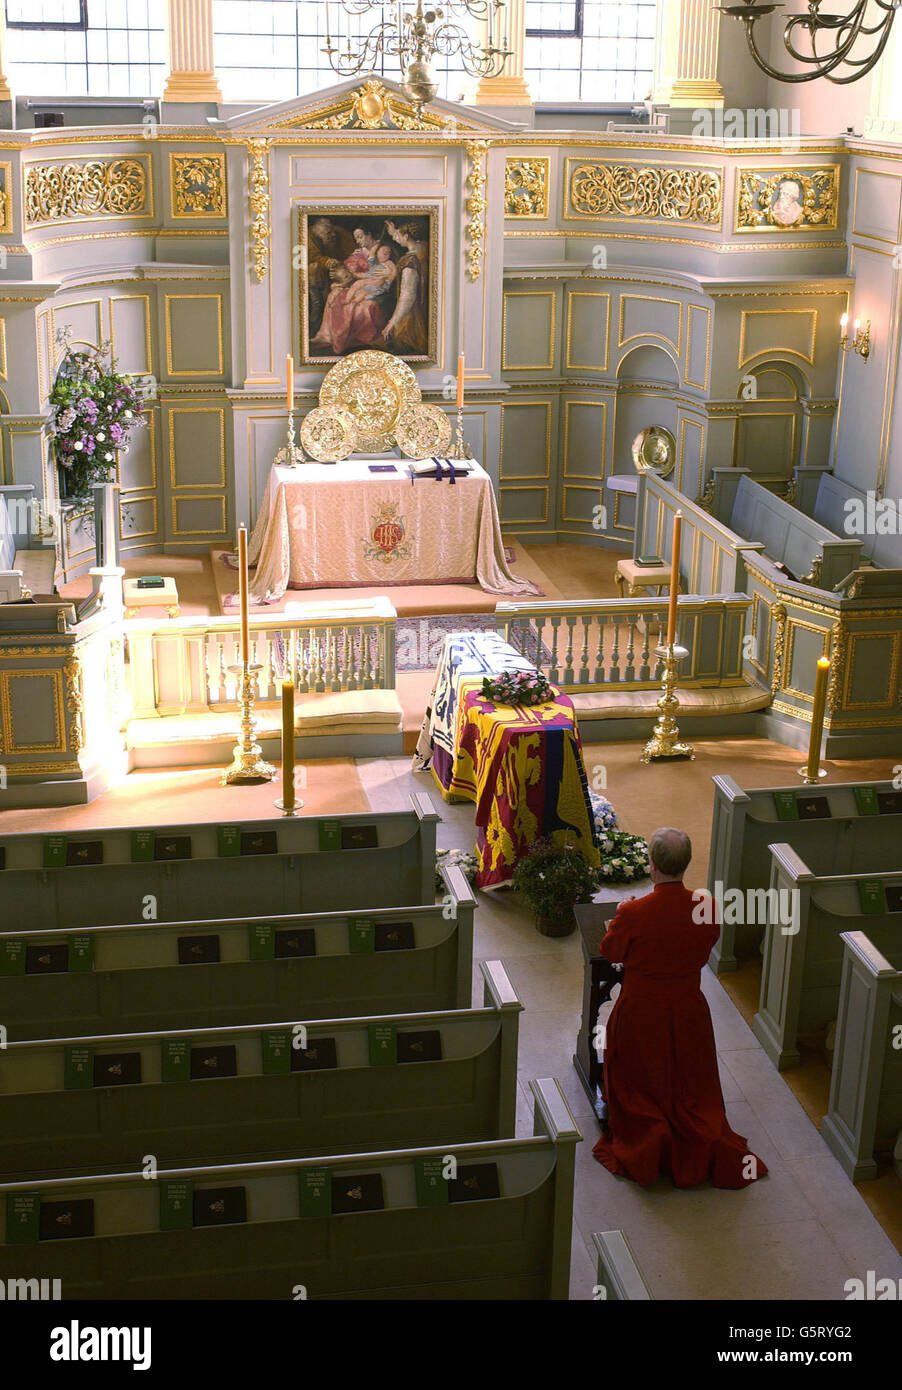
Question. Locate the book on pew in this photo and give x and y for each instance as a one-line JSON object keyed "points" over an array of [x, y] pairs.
{"points": [[383, 1044], [650, 561], [220, 1206], [294, 941], [23, 1218], [315, 1192], [2, 856], [394, 936], [474, 1183], [213, 1061], [47, 960], [68, 1220], [359, 837], [142, 846], [85, 852], [78, 1068], [813, 808], [118, 1069], [362, 1192], [275, 1051], [320, 1054], [175, 1059], [12, 957], [150, 581], [420, 1046], [55, 851], [176, 1204], [870, 895], [890, 803], [198, 950], [172, 847], [431, 1182], [866, 801], [259, 842], [81, 952], [893, 893]]}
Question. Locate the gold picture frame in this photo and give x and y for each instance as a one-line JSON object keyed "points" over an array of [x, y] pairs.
{"points": [[331, 331]]}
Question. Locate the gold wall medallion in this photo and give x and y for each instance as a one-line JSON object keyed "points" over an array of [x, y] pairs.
{"points": [[654, 451], [375, 388], [258, 197], [650, 192], [373, 106], [787, 200], [423, 431], [98, 188], [197, 185], [329, 433], [526, 188]]}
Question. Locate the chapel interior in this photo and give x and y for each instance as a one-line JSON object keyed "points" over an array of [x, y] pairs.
{"points": [[565, 346]]}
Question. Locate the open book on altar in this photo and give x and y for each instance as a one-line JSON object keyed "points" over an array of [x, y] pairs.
{"points": [[447, 467]]}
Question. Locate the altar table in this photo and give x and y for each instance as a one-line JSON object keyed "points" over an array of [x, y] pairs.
{"points": [[344, 524], [522, 765]]}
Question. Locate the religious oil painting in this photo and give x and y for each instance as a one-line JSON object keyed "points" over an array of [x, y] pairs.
{"points": [[368, 280]]}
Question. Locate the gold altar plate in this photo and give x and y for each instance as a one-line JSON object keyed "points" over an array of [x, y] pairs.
{"points": [[375, 388], [329, 433], [423, 431]]}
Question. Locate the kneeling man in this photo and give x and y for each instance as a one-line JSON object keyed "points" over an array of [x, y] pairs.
{"points": [[665, 1106]]}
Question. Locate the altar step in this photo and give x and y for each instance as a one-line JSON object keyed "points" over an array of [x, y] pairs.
{"points": [[606, 715], [351, 724]]}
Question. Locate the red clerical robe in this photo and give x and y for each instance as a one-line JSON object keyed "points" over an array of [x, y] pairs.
{"points": [[665, 1105]]}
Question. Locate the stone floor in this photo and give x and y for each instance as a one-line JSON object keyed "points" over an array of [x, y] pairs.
{"points": [[799, 1233]]}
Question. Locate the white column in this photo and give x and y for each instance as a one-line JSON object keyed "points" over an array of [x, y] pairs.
{"points": [[510, 88], [5, 93], [688, 36], [191, 76]]}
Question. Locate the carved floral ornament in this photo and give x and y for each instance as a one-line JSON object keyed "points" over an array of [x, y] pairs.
{"points": [[526, 187], [787, 199], [98, 188], [258, 198], [373, 106], [646, 191], [198, 185]]}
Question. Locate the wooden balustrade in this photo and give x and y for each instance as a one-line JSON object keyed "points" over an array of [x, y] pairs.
{"points": [[612, 642], [187, 665]]}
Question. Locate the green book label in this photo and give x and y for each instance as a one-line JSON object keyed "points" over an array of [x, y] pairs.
{"points": [[383, 1040], [785, 804], [142, 846], [176, 1205], [23, 1218], [78, 1070], [329, 834], [81, 952], [870, 895], [866, 801], [55, 851], [276, 1053], [175, 1059], [228, 840], [432, 1187], [12, 956], [261, 941], [315, 1192], [361, 936]]}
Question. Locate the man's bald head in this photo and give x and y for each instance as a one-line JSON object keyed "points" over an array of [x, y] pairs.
{"points": [[670, 851]]}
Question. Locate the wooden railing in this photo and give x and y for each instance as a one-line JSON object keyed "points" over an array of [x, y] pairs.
{"points": [[187, 665], [605, 643]]}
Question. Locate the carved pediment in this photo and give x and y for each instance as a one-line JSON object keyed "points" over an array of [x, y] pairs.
{"points": [[368, 105]]}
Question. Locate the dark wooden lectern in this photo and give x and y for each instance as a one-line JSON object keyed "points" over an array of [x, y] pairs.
{"points": [[598, 982]]}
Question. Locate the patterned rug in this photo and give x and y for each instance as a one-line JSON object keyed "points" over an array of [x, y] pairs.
{"points": [[418, 641]]}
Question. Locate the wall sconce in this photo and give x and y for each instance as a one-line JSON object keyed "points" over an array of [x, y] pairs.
{"points": [[861, 340]]}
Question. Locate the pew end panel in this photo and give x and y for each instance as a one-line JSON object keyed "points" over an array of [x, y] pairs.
{"points": [[865, 1103], [619, 1277], [775, 1023]]}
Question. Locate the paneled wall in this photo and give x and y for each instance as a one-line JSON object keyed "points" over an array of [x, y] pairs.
{"points": [[598, 283]]}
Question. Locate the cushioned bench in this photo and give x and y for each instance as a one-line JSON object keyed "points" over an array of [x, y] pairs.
{"points": [[399, 1225], [94, 1103]]}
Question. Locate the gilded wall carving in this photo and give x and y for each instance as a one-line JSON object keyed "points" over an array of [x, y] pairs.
{"points": [[258, 197], [373, 106], [526, 187], [197, 186], [6, 198], [475, 206], [785, 200], [98, 188], [647, 191]]}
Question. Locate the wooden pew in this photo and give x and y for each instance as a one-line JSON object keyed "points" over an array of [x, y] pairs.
{"points": [[619, 1277], [859, 834], [865, 1108], [101, 1103], [197, 871], [802, 969], [240, 970], [278, 1235]]}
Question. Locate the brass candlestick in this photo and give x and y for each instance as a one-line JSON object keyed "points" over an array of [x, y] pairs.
{"points": [[291, 453], [665, 741], [248, 766], [461, 448], [811, 771]]}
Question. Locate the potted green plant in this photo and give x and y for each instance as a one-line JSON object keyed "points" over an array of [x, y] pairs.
{"points": [[552, 878]]}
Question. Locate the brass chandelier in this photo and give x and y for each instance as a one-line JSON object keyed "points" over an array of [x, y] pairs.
{"points": [[840, 31], [415, 37]]}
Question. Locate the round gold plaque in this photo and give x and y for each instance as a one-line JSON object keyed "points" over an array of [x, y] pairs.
{"points": [[329, 434], [654, 451], [375, 388], [423, 431]]}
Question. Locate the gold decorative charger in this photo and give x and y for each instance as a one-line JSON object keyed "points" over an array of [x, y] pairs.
{"points": [[654, 451], [375, 388], [423, 431], [329, 433]]}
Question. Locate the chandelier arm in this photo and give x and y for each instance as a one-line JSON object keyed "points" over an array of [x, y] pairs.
{"points": [[824, 66]]}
